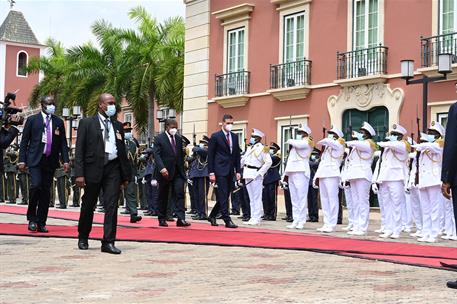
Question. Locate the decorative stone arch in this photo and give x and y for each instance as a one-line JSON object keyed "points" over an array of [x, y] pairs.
{"points": [[363, 98]]}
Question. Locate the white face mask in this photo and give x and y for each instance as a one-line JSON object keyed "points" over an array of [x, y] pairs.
{"points": [[110, 110], [298, 137], [173, 131], [50, 109], [229, 127], [128, 135], [330, 136]]}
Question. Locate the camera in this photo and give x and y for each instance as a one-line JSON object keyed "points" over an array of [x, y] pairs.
{"points": [[8, 113]]}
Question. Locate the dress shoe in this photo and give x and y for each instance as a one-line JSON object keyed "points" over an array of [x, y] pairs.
{"points": [[322, 228], [110, 248], [385, 235], [135, 218], [246, 219], [314, 220], [452, 284], [347, 228], [230, 224], [212, 220], [42, 229], [101, 210], [394, 236], [32, 226], [182, 223], [252, 222], [359, 233], [192, 212], [83, 244], [300, 225], [293, 225], [62, 207], [234, 212], [163, 223], [380, 230], [150, 213], [219, 217], [285, 218], [200, 217], [328, 230], [170, 219], [125, 212]]}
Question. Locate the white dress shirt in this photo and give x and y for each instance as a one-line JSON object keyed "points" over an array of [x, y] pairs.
{"points": [[45, 134], [110, 147]]}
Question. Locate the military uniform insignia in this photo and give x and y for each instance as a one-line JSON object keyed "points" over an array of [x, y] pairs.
{"points": [[408, 146], [440, 142], [373, 145], [341, 141]]}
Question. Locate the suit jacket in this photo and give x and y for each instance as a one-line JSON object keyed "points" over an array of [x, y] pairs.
{"points": [[220, 161], [448, 171], [90, 150], [32, 147], [165, 157]]}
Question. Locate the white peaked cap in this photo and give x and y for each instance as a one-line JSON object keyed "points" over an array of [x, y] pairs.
{"points": [[337, 131], [304, 127], [398, 129], [437, 127], [367, 127], [256, 132]]}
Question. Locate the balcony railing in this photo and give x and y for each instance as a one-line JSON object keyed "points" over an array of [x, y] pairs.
{"points": [[236, 83], [363, 62], [291, 74], [431, 47]]}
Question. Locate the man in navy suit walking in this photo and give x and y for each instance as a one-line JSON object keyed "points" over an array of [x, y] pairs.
{"points": [[223, 166], [43, 144]]}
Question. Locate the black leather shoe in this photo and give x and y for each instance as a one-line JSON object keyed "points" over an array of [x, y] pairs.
{"points": [[192, 212], [62, 207], [246, 219], [230, 224], [290, 219], [182, 223], [270, 218], [285, 218], [125, 212], [110, 248], [163, 223], [452, 284], [83, 244], [234, 212], [135, 218], [213, 221], [42, 229], [32, 226], [170, 219], [200, 217]]}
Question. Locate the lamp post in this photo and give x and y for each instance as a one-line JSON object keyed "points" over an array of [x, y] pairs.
{"points": [[76, 113], [407, 73], [165, 113]]}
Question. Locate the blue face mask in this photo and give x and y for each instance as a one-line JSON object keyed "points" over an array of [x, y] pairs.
{"points": [[393, 138], [128, 135], [358, 136], [50, 109], [111, 110], [252, 141], [430, 138], [330, 136]]}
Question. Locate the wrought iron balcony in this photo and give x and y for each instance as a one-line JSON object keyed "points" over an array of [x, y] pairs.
{"points": [[290, 74], [363, 62], [231, 84], [431, 47]]}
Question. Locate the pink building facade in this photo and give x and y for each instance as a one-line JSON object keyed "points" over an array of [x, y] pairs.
{"points": [[274, 64]]}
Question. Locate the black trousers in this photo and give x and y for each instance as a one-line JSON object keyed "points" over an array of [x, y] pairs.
{"points": [[110, 184], [313, 209], [224, 188], [200, 188], [40, 191], [454, 203], [269, 199], [288, 203], [171, 192], [192, 196]]}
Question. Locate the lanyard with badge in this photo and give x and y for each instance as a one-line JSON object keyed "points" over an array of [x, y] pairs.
{"points": [[44, 137]]}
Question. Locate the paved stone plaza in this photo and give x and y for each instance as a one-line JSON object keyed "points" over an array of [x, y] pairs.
{"points": [[52, 270]]}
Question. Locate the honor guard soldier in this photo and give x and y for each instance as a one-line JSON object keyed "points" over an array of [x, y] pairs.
{"points": [[270, 184], [297, 174], [75, 189], [62, 187], [430, 159], [24, 180], [10, 163], [413, 191], [392, 177], [359, 175], [255, 162], [190, 166], [199, 175], [328, 176], [130, 192], [141, 181]]}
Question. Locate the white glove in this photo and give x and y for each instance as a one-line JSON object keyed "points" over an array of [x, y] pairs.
{"points": [[314, 184], [154, 183], [143, 181], [374, 187], [136, 180], [190, 182]]}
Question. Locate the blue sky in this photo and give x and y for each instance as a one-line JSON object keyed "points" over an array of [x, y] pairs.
{"points": [[69, 21]]}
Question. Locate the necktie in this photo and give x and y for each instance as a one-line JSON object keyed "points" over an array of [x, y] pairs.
{"points": [[173, 144], [106, 138], [228, 141], [48, 136]]}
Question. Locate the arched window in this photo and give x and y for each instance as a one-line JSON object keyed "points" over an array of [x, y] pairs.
{"points": [[22, 59]]}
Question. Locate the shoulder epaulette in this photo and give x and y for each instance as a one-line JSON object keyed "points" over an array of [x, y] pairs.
{"points": [[266, 149], [310, 142], [372, 144], [341, 141], [408, 146], [440, 142]]}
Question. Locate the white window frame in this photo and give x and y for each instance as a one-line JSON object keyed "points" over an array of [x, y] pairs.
{"points": [[237, 55], [238, 25], [241, 132], [441, 116], [441, 6], [126, 119], [288, 12], [26, 63], [293, 17], [366, 26]]}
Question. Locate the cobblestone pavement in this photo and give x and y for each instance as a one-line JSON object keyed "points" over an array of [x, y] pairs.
{"points": [[34, 270]]}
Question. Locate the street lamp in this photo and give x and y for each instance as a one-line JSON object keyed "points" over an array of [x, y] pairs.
{"points": [[407, 73], [164, 114], [71, 117]]}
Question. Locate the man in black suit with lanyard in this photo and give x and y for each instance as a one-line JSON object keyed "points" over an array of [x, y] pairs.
{"points": [[223, 166], [43, 144], [101, 164], [169, 172]]}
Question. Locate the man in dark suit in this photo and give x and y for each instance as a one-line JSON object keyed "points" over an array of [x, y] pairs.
{"points": [[449, 167], [101, 164], [43, 144], [223, 166], [169, 173]]}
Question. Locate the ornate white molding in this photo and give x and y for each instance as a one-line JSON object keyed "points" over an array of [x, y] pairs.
{"points": [[372, 79], [287, 4], [234, 14], [363, 98]]}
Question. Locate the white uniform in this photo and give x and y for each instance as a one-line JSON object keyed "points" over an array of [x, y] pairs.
{"points": [[298, 172], [255, 162], [328, 174], [348, 196], [393, 172], [430, 159], [414, 195], [380, 196], [358, 173]]}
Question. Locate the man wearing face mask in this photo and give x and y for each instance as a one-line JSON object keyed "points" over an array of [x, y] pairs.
{"points": [[392, 177], [223, 165], [255, 162], [270, 184], [298, 174], [430, 162], [101, 164], [43, 144], [359, 175], [200, 181], [328, 177], [169, 172], [130, 192]]}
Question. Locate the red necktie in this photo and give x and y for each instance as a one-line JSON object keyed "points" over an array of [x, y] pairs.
{"points": [[228, 139], [173, 144]]}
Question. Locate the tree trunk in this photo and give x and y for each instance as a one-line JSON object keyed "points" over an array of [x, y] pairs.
{"points": [[151, 128]]}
